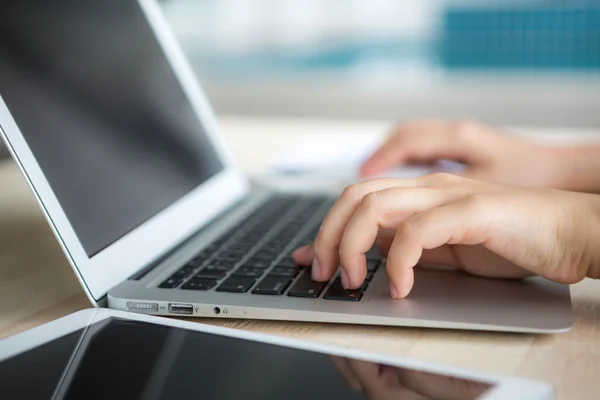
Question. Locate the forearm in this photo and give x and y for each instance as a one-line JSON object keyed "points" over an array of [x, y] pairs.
{"points": [[577, 168]]}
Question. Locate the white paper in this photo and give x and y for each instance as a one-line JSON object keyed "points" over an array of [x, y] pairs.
{"points": [[337, 157], [320, 152]]}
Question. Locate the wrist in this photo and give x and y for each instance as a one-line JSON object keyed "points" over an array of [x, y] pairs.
{"points": [[574, 168], [593, 236]]}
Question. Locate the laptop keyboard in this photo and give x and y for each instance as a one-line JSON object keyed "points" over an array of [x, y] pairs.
{"points": [[255, 256]]}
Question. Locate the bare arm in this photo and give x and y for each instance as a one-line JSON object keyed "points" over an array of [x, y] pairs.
{"points": [[578, 168]]}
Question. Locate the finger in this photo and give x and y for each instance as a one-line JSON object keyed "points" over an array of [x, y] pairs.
{"points": [[367, 375], [329, 236], [440, 256], [385, 209], [304, 255], [478, 173], [433, 386], [379, 381], [423, 142], [461, 222], [344, 368]]}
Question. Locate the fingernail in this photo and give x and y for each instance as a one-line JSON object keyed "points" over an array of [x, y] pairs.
{"points": [[394, 291], [345, 280], [316, 269]]}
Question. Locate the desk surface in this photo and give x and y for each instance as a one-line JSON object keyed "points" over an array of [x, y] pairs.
{"points": [[37, 285]]}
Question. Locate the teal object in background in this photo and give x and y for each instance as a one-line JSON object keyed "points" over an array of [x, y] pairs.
{"points": [[563, 36], [487, 36]]}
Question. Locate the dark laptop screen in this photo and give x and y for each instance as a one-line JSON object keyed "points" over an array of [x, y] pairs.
{"points": [[102, 111]]}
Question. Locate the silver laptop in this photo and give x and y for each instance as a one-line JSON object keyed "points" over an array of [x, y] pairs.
{"points": [[103, 114]]}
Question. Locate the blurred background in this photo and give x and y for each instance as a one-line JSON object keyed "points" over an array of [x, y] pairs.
{"points": [[504, 62], [529, 62]]}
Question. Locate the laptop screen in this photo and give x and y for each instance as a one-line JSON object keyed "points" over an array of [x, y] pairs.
{"points": [[102, 111]]}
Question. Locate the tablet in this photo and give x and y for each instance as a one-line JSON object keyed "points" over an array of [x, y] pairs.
{"points": [[107, 354]]}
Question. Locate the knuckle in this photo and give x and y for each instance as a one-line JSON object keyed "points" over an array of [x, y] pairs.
{"points": [[407, 229], [352, 192], [465, 129], [476, 202], [371, 202], [444, 178]]}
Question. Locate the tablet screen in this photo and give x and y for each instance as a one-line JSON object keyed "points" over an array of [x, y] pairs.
{"points": [[123, 359]]}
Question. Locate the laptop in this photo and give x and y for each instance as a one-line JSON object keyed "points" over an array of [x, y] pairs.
{"points": [[102, 112]]}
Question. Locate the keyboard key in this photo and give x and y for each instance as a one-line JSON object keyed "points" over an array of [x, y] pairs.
{"points": [[254, 263], [306, 287], [210, 274], [373, 254], [337, 292], [249, 272], [231, 261], [273, 246], [200, 284], [250, 269], [210, 249], [281, 271], [197, 261], [272, 285], [369, 276], [266, 256], [305, 242], [227, 261], [236, 284], [372, 265], [263, 256], [287, 262], [218, 267], [171, 283], [184, 272]]}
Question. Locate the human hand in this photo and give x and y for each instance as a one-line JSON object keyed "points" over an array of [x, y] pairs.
{"points": [[488, 154], [485, 229], [382, 382]]}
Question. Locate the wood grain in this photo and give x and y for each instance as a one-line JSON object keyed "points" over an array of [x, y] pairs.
{"points": [[37, 285]]}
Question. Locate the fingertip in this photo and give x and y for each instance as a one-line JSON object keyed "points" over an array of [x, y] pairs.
{"points": [[318, 273], [394, 293], [399, 290], [364, 170], [369, 168], [324, 265], [303, 255], [345, 279]]}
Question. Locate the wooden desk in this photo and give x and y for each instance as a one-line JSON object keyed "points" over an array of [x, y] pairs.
{"points": [[37, 285]]}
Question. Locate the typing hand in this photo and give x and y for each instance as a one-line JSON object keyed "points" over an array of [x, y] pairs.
{"points": [[489, 154], [381, 382], [485, 229]]}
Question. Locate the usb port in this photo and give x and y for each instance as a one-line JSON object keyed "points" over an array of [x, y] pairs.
{"points": [[183, 309]]}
